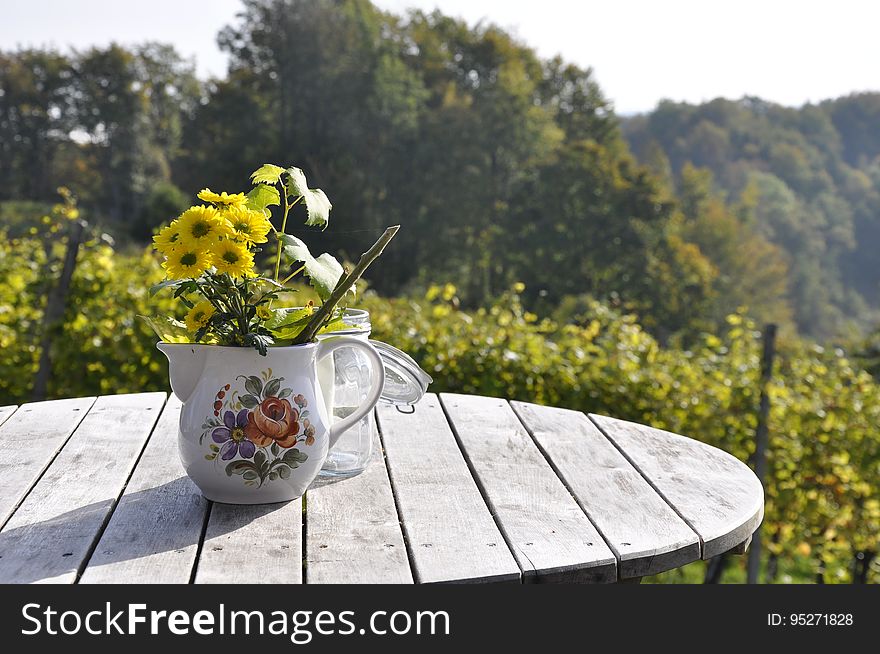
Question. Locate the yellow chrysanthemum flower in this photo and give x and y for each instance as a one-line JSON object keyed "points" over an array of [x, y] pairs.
{"points": [[233, 258], [251, 226], [223, 199], [199, 315], [200, 226], [186, 262], [167, 239]]}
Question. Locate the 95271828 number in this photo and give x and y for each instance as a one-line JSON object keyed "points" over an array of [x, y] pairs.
{"points": [[810, 620]]}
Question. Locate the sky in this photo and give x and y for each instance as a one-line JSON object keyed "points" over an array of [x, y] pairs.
{"points": [[641, 51]]}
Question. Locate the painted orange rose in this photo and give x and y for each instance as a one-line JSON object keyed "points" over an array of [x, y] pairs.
{"points": [[273, 420]]}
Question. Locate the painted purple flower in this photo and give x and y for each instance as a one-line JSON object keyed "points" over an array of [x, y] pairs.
{"points": [[232, 436]]}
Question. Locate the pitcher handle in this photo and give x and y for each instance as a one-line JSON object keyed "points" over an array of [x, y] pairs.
{"points": [[377, 379]]}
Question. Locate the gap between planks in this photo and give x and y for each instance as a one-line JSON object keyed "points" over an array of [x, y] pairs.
{"points": [[548, 532], [451, 532], [644, 533]]}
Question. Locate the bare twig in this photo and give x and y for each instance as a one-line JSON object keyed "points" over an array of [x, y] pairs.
{"points": [[345, 282]]}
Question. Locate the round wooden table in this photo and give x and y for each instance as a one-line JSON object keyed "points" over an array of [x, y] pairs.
{"points": [[464, 488]]}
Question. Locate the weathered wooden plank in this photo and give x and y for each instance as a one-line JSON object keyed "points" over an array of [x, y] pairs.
{"points": [[50, 536], [643, 531], [255, 544], [153, 535], [353, 533], [718, 495], [29, 439], [547, 531], [6, 412], [450, 531]]}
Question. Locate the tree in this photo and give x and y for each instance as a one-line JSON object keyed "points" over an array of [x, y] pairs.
{"points": [[35, 120]]}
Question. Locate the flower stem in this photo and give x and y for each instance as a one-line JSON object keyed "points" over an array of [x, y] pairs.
{"points": [[287, 207], [292, 275]]}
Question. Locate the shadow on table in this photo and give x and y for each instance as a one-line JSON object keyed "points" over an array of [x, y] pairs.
{"points": [[166, 518]]}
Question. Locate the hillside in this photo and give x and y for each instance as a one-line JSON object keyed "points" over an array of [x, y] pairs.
{"points": [[806, 180]]}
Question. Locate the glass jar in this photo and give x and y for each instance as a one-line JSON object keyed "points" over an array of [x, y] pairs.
{"points": [[344, 378]]}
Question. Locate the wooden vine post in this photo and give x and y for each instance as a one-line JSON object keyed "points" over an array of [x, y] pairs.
{"points": [[759, 458], [56, 304]]}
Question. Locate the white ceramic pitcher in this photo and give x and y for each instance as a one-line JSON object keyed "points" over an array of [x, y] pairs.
{"points": [[254, 429]]}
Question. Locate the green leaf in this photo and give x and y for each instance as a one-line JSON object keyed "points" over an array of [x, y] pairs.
{"points": [[286, 334], [254, 386], [168, 329], [168, 283], [263, 196], [239, 467], [281, 317], [317, 203], [294, 456], [335, 326], [250, 475], [267, 174], [283, 393], [260, 342], [323, 272], [249, 401], [284, 472], [275, 449], [294, 318], [272, 387]]}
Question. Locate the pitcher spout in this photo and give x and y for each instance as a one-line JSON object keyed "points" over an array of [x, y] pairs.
{"points": [[186, 363]]}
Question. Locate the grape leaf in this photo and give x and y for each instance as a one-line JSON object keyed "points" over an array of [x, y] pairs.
{"points": [[267, 174], [291, 328], [168, 283], [282, 317], [263, 196], [317, 202], [336, 325], [323, 272], [168, 329]]}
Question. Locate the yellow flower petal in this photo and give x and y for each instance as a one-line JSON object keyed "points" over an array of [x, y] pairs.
{"points": [[186, 262], [247, 225], [223, 199], [168, 238], [233, 258], [200, 226], [199, 315]]}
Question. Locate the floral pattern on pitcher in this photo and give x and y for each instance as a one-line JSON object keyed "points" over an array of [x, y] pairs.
{"points": [[258, 430]]}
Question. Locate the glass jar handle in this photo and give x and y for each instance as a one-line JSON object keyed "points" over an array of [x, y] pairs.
{"points": [[377, 380]]}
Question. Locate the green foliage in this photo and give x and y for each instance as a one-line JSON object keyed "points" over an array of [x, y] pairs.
{"points": [[317, 204], [102, 347], [801, 179], [263, 196], [324, 272], [163, 203]]}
